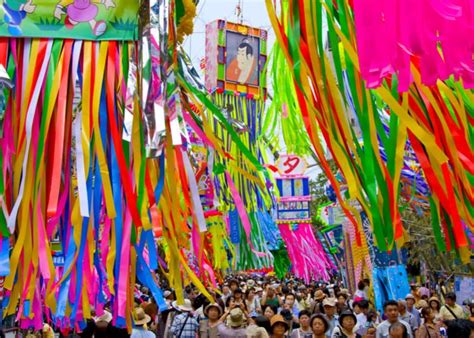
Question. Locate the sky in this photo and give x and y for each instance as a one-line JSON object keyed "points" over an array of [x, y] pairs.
{"points": [[254, 13]]}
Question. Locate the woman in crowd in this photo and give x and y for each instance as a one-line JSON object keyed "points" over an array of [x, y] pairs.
{"points": [[435, 306], [319, 325], [208, 326], [342, 304], [347, 323], [279, 326], [270, 311], [428, 329], [252, 303], [304, 331]]}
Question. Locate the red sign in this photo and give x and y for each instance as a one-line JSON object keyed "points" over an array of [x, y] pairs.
{"points": [[290, 165]]}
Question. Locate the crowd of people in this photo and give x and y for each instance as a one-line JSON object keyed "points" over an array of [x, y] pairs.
{"points": [[258, 307]]}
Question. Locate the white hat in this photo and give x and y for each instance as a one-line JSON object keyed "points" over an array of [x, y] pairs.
{"points": [[167, 293], [410, 296], [186, 307], [106, 317], [329, 302]]}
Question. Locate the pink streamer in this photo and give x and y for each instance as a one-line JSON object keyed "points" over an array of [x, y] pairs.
{"points": [[390, 34], [309, 261]]}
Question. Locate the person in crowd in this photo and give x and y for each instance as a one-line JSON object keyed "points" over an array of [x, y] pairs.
{"points": [[317, 306], [270, 311], [279, 327], [208, 326], [259, 294], [398, 330], [231, 324], [290, 319], [428, 329], [260, 328], [342, 302], [410, 299], [270, 297], [435, 307], [363, 306], [304, 331], [329, 305], [360, 293], [451, 310], [234, 285], [226, 293], [252, 303], [460, 328], [140, 319], [238, 296], [304, 300], [390, 309], [290, 304], [319, 325], [185, 325], [424, 293], [346, 327], [407, 316]]}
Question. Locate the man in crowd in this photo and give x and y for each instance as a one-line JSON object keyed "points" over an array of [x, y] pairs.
{"points": [[410, 299], [451, 310], [329, 305], [406, 316], [270, 297], [290, 302], [185, 325], [390, 309]]}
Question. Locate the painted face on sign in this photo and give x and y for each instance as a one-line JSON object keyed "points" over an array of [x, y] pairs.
{"points": [[244, 59]]}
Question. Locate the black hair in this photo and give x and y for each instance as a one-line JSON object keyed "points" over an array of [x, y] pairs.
{"points": [[304, 313], [459, 328], [246, 45], [397, 325], [361, 285], [451, 295], [291, 294], [262, 321], [363, 304], [390, 303], [324, 320], [274, 308], [341, 294]]}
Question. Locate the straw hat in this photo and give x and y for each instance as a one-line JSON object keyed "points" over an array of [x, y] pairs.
{"points": [[434, 299], [141, 318], [278, 319], [215, 305], [319, 295], [236, 317]]}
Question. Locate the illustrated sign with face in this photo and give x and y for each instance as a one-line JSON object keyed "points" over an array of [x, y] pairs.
{"points": [[242, 58]]}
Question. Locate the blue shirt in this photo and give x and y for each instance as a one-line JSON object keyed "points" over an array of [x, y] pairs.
{"points": [[186, 324]]}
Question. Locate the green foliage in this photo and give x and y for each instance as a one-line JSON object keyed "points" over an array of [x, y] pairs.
{"points": [[123, 25], [49, 24]]}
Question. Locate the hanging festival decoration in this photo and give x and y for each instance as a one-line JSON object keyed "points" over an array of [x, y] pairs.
{"points": [[309, 260], [335, 104], [424, 32], [236, 81]]}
